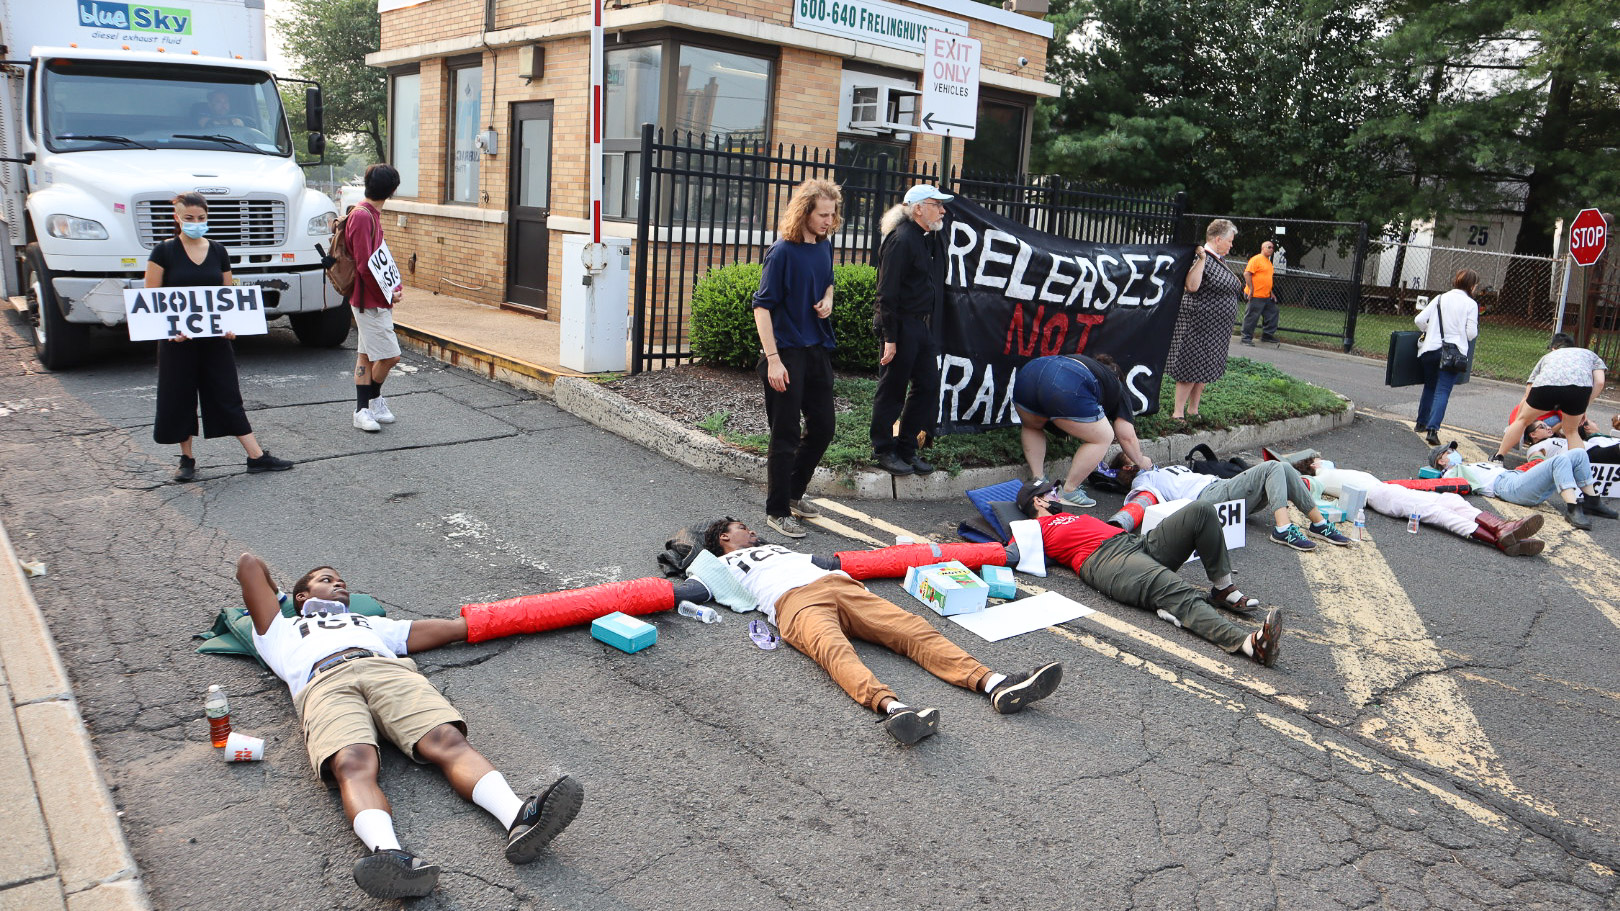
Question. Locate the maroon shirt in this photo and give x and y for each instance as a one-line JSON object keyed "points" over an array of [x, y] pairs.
{"points": [[362, 235]]}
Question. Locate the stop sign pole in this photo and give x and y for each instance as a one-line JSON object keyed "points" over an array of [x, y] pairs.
{"points": [[1588, 238]]}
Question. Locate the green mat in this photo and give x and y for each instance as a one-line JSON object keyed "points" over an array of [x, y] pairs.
{"points": [[232, 633]]}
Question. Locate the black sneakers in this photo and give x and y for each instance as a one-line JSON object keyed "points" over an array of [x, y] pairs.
{"points": [[187, 470], [267, 462], [1012, 695], [543, 818], [911, 725], [392, 873]]}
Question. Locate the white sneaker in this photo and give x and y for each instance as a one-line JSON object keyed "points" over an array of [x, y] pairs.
{"points": [[364, 421], [379, 410]]}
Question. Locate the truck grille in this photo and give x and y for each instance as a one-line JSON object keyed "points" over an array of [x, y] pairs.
{"points": [[234, 223]]}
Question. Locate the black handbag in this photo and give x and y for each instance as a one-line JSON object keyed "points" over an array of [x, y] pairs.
{"points": [[1452, 358]]}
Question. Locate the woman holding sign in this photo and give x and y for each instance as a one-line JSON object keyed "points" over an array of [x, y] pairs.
{"points": [[198, 371], [1203, 332]]}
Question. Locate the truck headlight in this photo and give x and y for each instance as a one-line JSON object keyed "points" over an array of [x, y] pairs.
{"points": [[321, 225], [70, 227]]}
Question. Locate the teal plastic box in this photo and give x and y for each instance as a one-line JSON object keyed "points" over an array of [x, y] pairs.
{"points": [[1427, 472], [624, 632], [1001, 582], [1332, 512]]}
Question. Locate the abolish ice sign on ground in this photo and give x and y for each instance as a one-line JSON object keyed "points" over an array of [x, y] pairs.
{"points": [[162, 313], [385, 270]]}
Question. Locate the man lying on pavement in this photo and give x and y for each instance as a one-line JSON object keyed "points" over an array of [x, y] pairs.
{"points": [[1566, 475], [818, 610], [1267, 488], [348, 677], [1140, 570]]}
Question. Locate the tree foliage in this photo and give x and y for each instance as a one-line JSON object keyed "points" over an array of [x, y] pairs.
{"points": [[1379, 110], [330, 39]]}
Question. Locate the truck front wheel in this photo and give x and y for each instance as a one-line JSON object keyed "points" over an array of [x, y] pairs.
{"points": [[321, 329], [58, 343]]}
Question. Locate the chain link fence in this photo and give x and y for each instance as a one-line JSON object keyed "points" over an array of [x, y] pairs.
{"points": [[1518, 301]]}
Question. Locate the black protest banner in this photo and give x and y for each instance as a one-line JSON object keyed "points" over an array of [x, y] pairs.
{"points": [[1014, 293]]}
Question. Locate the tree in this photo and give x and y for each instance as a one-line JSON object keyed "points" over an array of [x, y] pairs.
{"points": [[329, 39]]}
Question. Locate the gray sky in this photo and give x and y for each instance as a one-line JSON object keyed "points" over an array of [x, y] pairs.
{"points": [[274, 10]]}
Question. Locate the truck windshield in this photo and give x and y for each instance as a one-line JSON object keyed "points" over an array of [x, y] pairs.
{"points": [[105, 104]]}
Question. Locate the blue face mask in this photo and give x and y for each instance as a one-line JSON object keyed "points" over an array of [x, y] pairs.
{"points": [[194, 228], [1324, 465], [1453, 459]]}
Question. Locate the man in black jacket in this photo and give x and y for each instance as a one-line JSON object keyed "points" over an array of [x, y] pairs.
{"points": [[910, 294]]}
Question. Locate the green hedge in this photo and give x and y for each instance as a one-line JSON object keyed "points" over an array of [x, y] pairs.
{"points": [[723, 317]]}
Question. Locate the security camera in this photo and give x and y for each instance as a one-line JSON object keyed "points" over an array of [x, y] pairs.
{"points": [[1023, 61]]}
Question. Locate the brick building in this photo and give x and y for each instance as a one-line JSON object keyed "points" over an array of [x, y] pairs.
{"points": [[487, 110]]}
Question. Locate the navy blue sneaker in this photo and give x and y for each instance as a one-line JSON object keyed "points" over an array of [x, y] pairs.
{"points": [[1329, 532], [1293, 537]]}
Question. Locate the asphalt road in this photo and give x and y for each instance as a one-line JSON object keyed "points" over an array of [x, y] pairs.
{"points": [[1440, 733]]}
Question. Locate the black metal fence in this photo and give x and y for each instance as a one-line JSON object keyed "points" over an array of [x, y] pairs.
{"points": [[707, 201], [1318, 270]]}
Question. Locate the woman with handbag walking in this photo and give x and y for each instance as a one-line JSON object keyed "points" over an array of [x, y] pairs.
{"points": [[1446, 349], [1568, 378]]}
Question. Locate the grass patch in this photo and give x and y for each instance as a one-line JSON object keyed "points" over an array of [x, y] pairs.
{"points": [[1251, 393], [1502, 351]]}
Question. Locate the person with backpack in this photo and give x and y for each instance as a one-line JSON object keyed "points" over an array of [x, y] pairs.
{"points": [[359, 237]]}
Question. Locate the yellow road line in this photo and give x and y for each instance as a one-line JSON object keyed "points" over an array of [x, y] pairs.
{"points": [[873, 521]]}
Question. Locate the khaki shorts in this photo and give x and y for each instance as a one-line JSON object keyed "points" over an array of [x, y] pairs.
{"points": [[376, 328], [349, 703]]}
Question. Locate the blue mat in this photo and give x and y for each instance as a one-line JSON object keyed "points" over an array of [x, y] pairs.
{"points": [[1005, 492]]}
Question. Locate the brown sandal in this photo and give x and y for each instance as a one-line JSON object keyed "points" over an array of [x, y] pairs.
{"points": [[1233, 600]]}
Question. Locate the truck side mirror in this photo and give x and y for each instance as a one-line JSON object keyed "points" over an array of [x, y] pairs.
{"points": [[317, 145], [314, 111]]}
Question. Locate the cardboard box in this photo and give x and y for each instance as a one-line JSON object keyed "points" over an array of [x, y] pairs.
{"points": [[947, 588], [1000, 581], [624, 632]]}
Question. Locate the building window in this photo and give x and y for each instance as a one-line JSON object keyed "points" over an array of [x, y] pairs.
{"points": [[467, 91], [405, 131], [685, 88], [998, 145]]}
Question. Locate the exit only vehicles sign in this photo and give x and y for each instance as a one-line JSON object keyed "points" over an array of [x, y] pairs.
{"points": [[950, 85]]}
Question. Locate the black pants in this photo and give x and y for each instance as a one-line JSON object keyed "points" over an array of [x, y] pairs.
{"points": [[794, 454], [200, 370], [915, 364], [1261, 308]]}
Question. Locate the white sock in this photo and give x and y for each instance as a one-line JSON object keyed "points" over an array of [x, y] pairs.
{"points": [[1248, 645], [993, 681], [375, 829], [1281, 529], [896, 705], [495, 795], [1223, 582]]}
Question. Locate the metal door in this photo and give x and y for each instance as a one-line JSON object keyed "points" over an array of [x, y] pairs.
{"points": [[527, 239]]}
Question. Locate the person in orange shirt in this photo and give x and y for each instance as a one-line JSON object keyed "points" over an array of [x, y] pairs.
{"points": [[1257, 276]]}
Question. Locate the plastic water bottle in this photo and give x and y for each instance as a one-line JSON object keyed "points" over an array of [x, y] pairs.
{"points": [[698, 612], [1361, 524], [218, 709], [1412, 523]]}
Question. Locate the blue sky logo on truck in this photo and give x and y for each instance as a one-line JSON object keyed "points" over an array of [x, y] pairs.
{"points": [[135, 17]]}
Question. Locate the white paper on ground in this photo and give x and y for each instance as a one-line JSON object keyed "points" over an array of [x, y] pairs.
{"points": [[1022, 616], [1031, 547]]}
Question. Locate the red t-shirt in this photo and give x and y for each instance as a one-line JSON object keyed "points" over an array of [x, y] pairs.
{"points": [[362, 234], [1071, 539]]}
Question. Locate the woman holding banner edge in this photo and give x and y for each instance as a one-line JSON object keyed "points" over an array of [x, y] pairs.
{"points": [[202, 370], [1203, 332]]}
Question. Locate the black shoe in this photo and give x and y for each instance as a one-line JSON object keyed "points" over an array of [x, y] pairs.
{"points": [[1248, 341], [391, 873], [921, 467], [267, 462], [1419, 428], [1273, 340], [1012, 695], [911, 725], [894, 465], [543, 818], [1594, 506], [1576, 515], [1433, 439], [187, 470]]}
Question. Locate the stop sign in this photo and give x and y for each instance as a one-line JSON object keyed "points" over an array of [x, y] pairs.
{"points": [[1587, 237]]}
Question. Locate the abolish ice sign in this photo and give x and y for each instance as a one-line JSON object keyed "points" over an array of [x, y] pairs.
{"points": [[164, 313], [950, 85], [385, 270]]}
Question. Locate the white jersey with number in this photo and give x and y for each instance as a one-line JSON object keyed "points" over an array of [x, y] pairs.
{"points": [[292, 645], [770, 571], [1173, 482]]}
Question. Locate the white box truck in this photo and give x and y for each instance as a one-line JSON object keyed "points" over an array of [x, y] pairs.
{"points": [[109, 109]]}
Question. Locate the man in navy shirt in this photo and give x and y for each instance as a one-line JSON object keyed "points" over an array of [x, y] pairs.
{"points": [[791, 311]]}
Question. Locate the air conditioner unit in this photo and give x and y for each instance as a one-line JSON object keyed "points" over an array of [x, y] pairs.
{"points": [[882, 109]]}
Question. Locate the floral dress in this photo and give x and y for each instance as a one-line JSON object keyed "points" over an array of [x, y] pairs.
{"points": [[1203, 332]]}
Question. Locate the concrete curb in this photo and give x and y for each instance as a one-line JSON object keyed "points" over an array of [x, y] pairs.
{"points": [[467, 356], [66, 847], [692, 447]]}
